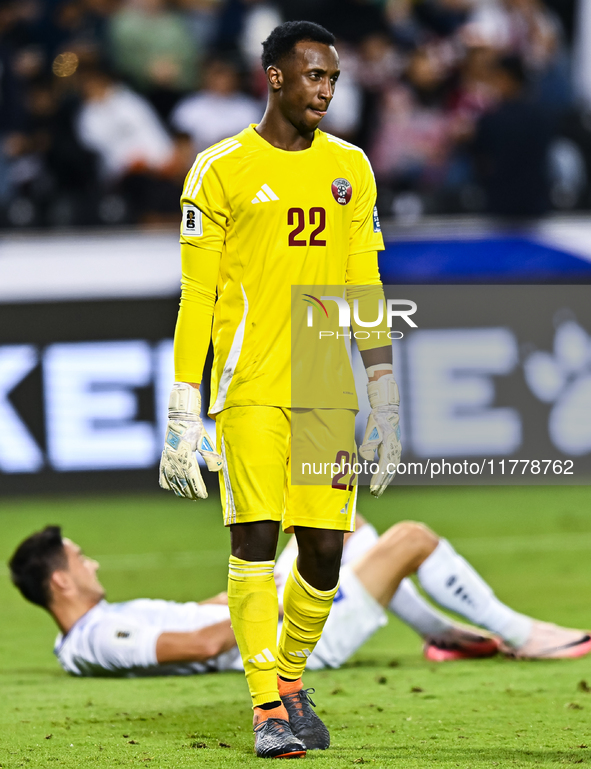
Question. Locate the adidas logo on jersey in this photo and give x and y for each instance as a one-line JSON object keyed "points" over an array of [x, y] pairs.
{"points": [[302, 653], [264, 656], [264, 195]]}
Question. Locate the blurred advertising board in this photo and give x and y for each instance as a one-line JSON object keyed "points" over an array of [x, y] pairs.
{"points": [[489, 375], [495, 384], [83, 393], [86, 324]]}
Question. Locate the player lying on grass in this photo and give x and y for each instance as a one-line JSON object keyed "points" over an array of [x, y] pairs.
{"points": [[155, 637]]}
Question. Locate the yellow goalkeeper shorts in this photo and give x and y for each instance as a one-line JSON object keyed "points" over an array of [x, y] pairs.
{"points": [[290, 465]]}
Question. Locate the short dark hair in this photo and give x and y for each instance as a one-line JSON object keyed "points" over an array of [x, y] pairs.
{"points": [[283, 39], [35, 560]]}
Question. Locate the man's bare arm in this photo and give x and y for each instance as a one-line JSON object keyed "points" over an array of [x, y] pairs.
{"points": [[196, 646], [375, 357]]}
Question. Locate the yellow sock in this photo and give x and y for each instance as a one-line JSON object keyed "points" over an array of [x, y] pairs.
{"points": [[305, 610], [252, 600]]}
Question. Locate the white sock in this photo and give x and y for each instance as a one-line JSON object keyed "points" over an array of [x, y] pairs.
{"points": [[453, 583], [410, 606]]}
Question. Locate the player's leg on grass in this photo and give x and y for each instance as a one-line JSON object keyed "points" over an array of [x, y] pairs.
{"points": [[383, 567], [410, 547], [319, 515], [307, 599], [395, 555], [252, 489], [406, 603], [445, 639], [252, 600], [454, 584]]}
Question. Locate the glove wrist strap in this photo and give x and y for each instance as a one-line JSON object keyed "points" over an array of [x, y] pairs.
{"points": [[184, 403], [383, 392], [371, 370]]}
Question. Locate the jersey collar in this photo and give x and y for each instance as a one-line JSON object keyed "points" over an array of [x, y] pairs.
{"points": [[296, 153]]}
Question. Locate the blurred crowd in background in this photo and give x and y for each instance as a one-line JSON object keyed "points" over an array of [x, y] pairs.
{"points": [[463, 106]]}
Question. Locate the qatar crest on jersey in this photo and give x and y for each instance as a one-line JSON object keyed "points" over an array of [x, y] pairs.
{"points": [[341, 191]]}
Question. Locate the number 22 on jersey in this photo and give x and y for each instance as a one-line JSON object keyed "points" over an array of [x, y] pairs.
{"points": [[316, 218]]}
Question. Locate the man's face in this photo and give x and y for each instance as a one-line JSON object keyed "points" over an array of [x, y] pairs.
{"points": [[308, 77], [82, 571]]}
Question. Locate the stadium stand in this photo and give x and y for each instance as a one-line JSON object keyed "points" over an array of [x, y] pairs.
{"points": [[426, 91]]}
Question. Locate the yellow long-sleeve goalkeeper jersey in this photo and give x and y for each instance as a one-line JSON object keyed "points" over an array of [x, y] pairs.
{"points": [[279, 219]]}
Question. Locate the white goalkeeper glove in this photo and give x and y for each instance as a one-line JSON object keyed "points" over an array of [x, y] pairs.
{"points": [[382, 432], [185, 434]]}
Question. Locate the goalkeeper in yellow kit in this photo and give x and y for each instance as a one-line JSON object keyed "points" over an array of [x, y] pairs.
{"points": [[279, 205]]}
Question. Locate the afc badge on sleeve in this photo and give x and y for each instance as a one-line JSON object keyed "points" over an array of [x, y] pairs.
{"points": [[377, 227], [192, 221]]}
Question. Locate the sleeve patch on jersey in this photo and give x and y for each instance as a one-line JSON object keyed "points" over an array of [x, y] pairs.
{"points": [[377, 227], [192, 221]]}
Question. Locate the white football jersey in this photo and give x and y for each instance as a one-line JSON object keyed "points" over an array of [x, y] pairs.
{"points": [[119, 639]]}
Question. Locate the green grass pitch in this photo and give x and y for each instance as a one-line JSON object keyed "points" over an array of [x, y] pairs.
{"points": [[387, 707]]}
